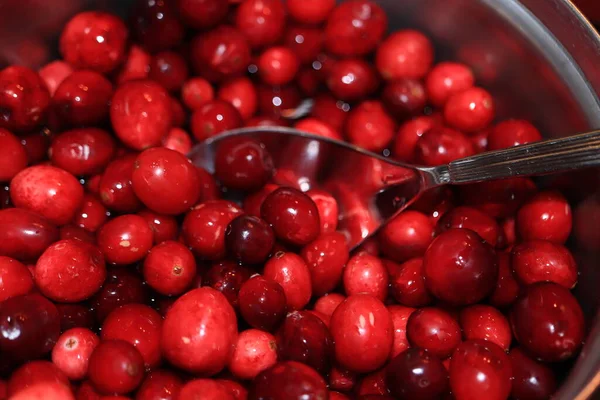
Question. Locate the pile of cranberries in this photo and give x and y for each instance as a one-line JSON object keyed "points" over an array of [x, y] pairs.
{"points": [[125, 274]]}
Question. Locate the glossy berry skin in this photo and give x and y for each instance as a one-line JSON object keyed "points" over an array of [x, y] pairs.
{"points": [[352, 79], [262, 303], [115, 187], [164, 227], [139, 325], [155, 25], [406, 236], [407, 283], [365, 273], [404, 54], [261, 21], [288, 379], [92, 214], [532, 380], [204, 228], [460, 268], [400, 316], [513, 132], [404, 98], [408, 135], [274, 101], [507, 288], [355, 28], [158, 171], [24, 99], [51, 192], [370, 126], [548, 322], [243, 164], [290, 271], [13, 156], [470, 218], [310, 12], [470, 110], [116, 366], [440, 145], [328, 209], [546, 216], [195, 92], [141, 114], [446, 79], [54, 73], [121, 287], [169, 69], [542, 261], [484, 322], [255, 351], [15, 278], [160, 385], [70, 271], [199, 332], [480, 369], [202, 14], [326, 258], [75, 316], [293, 216], [249, 239], [416, 374], [83, 151], [241, 93], [35, 372], [125, 239], [72, 352], [45, 391], [29, 327], [363, 333], [278, 66], [227, 277], [169, 268], [25, 234], [214, 117], [434, 330], [499, 198]]}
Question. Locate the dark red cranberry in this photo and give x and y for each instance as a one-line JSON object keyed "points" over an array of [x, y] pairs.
{"points": [[13, 156], [470, 218], [446, 79], [406, 236], [125, 239], [227, 277], [54, 73], [417, 374], [262, 303], [77, 233], [305, 41], [34, 373], [214, 117], [311, 11], [249, 239], [36, 145], [169, 69], [480, 369], [484, 322], [513, 132], [288, 379], [532, 380], [277, 101], [278, 66], [355, 28], [408, 135], [82, 152], [326, 258], [115, 188], [208, 186], [261, 21], [548, 322], [369, 126], [471, 110], [434, 330], [546, 216], [29, 327], [72, 352], [155, 25], [121, 287], [404, 54], [365, 273], [24, 234], [352, 79], [542, 261], [407, 283], [243, 164], [15, 278], [202, 14], [507, 288], [255, 351], [404, 98], [75, 316], [480, 141], [116, 367], [290, 271], [169, 268], [331, 111], [499, 198], [160, 385], [241, 93], [372, 384], [440, 145]]}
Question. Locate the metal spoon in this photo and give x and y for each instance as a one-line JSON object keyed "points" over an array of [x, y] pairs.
{"points": [[371, 189]]}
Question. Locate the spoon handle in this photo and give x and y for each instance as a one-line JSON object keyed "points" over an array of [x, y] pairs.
{"points": [[540, 158]]}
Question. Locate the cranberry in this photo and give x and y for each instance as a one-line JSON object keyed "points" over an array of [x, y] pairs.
{"points": [[24, 234], [178, 140], [366, 274], [202, 14], [54, 73], [288, 380], [326, 258], [72, 352], [121, 287], [470, 110], [179, 115], [507, 288], [446, 79], [255, 351], [125, 239], [94, 40], [155, 25], [372, 384], [485, 322], [548, 322], [292, 273], [70, 271], [115, 188], [15, 278], [169, 69], [164, 227], [277, 101], [136, 65], [243, 164], [160, 385], [82, 152], [139, 325], [169, 268], [214, 117], [352, 79], [52, 192], [541, 261], [29, 327], [24, 99], [13, 157], [370, 126], [341, 379], [77, 233], [305, 41], [310, 12], [513, 132], [406, 236], [327, 304], [404, 97], [261, 21], [35, 372], [221, 53], [417, 374], [470, 218], [460, 268], [319, 128], [404, 54], [199, 332], [440, 145], [407, 284], [330, 111], [227, 277], [400, 315], [204, 228], [262, 303], [210, 390], [499, 198], [141, 114], [45, 391], [75, 316], [36, 145], [408, 135], [115, 366], [480, 369], [546, 216], [363, 333], [208, 186], [355, 28], [434, 330], [278, 66], [249, 239], [241, 93], [337, 396], [328, 209], [532, 380], [480, 141], [195, 92]]}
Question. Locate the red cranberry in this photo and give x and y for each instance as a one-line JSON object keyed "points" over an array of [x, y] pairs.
{"points": [[163, 227], [115, 366], [417, 374], [82, 151], [291, 272], [319, 128], [227, 277], [440, 145], [24, 234], [261, 21], [72, 352], [121, 287], [434, 330], [278, 66], [485, 322], [363, 333], [470, 218], [77, 233], [208, 186], [407, 284], [202, 14], [125, 239], [94, 40], [255, 351], [400, 316], [327, 304], [195, 92], [33, 373], [160, 385], [470, 110], [541, 261], [155, 25], [262, 303], [204, 228], [13, 156], [70, 271], [372, 384], [199, 332], [331, 111], [337, 396], [141, 114], [209, 388], [446, 79], [310, 12], [404, 54], [241, 93], [220, 53], [179, 140], [370, 126], [546, 216], [45, 391], [24, 99], [253, 201], [355, 28], [15, 278], [75, 316], [513, 132], [305, 41], [499, 198], [480, 141], [29, 327], [326, 258], [214, 117], [169, 69], [532, 380], [136, 65], [507, 288], [328, 209], [352, 79], [406, 236], [139, 325], [115, 188], [169, 268], [366, 274], [404, 97], [288, 379], [548, 322], [249, 239], [52, 192], [460, 268], [480, 369], [277, 101], [408, 135], [243, 164], [54, 73], [36, 145]]}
